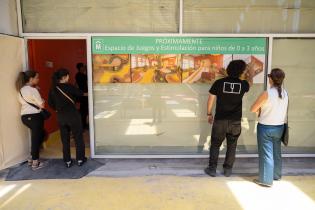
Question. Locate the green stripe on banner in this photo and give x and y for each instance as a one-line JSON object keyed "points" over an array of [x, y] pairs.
{"points": [[177, 45]]}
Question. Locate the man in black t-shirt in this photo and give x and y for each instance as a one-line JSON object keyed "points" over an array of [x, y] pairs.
{"points": [[228, 93]]}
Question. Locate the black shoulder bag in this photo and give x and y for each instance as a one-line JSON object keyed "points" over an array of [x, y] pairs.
{"points": [[285, 135], [44, 112]]}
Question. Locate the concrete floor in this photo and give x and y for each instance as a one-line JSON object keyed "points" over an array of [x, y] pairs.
{"points": [[164, 184], [158, 192]]}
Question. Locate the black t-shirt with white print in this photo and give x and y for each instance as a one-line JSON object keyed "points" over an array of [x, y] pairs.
{"points": [[229, 92]]}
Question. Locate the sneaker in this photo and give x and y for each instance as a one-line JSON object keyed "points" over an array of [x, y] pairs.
{"points": [[210, 172], [80, 162], [227, 172], [37, 165], [68, 164], [261, 184], [29, 162]]}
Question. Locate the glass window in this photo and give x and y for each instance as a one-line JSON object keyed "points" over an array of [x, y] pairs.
{"points": [[157, 103], [249, 16], [161, 119], [296, 58], [120, 16]]}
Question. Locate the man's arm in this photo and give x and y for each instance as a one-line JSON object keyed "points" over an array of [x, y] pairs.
{"points": [[211, 100]]}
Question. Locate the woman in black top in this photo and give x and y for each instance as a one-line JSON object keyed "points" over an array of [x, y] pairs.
{"points": [[62, 98]]}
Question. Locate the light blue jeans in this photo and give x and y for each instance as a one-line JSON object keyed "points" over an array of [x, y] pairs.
{"points": [[269, 151]]}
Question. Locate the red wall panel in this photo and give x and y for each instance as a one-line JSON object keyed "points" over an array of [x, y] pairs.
{"points": [[62, 53]]}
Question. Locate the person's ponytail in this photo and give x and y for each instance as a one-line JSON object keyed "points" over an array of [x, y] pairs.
{"points": [[277, 76], [23, 78], [20, 81], [54, 80], [279, 91]]}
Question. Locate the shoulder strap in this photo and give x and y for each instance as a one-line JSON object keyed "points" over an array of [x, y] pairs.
{"points": [[63, 93], [33, 105]]}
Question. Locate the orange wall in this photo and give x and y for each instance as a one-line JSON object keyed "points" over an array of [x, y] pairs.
{"points": [[63, 53]]}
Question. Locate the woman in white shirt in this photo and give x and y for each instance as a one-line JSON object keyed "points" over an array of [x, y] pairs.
{"points": [[31, 117], [271, 107]]}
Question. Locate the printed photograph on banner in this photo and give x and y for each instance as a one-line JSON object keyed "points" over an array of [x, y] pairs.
{"points": [[255, 66], [206, 68], [198, 68], [155, 68], [111, 68]]}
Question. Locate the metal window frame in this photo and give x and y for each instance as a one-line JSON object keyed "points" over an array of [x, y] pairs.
{"points": [[88, 37]]}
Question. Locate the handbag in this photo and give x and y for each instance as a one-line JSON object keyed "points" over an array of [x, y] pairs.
{"points": [[285, 134], [44, 112]]}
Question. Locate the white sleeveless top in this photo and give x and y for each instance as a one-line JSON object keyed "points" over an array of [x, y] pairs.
{"points": [[274, 111]]}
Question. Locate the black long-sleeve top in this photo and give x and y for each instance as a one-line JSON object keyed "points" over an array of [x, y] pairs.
{"points": [[59, 102]]}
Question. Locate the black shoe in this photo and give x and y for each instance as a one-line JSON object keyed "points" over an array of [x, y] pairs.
{"points": [[68, 164], [227, 172], [277, 179], [210, 172], [80, 162]]}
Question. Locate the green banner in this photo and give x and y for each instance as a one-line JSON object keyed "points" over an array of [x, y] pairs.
{"points": [[177, 45]]}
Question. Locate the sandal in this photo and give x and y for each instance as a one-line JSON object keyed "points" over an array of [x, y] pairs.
{"points": [[37, 165]]}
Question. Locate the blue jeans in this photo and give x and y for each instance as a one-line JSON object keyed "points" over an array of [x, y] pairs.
{"points": [[269, 151]]}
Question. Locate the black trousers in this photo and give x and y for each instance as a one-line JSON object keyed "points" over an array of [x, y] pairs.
{"points": [[35, 122], [71, 122], [221, 129], [84, 110]]}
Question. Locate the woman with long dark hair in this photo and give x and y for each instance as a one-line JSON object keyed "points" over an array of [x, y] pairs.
{"points": [[271, 107], [28, 94], [62, 98]]}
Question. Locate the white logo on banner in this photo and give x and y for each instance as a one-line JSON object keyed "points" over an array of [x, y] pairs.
{"points": [[234, 88], [98, 45]]}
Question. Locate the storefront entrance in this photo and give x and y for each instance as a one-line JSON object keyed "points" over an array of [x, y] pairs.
{"points": [[46, 56]]}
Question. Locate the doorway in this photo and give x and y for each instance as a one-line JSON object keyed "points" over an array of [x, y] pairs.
{"points": [[46, 56]]}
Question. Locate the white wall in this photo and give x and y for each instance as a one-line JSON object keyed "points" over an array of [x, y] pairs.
{"points": [[14, 139], [8, 17]]}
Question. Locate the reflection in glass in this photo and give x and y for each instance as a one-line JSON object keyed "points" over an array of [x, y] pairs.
{"points": [[296, 58], [160, 118]]}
